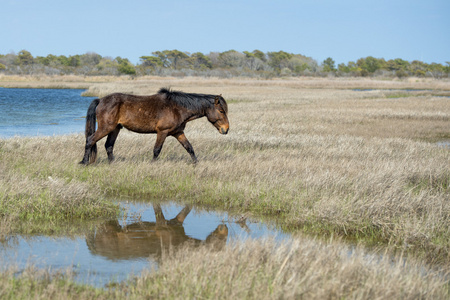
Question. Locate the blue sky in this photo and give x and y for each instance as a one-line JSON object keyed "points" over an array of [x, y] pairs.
{"points": [[344, 30]]}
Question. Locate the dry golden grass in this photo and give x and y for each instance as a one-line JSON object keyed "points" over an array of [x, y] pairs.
{"points": [[251, 270], [309, 154], [304, 269], [355, 161], [103, 85], [240, 87], [319, 105], [56, 81], [27, 197]]}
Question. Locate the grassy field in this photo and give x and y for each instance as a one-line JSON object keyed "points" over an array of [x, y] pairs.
{"points": [[310, 154]]}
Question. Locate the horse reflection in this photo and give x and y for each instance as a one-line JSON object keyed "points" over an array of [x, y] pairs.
{"points": [[144, 239]]}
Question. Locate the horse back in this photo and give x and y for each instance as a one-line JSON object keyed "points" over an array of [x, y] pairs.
{"points": [[141, 114], [132, 102]]}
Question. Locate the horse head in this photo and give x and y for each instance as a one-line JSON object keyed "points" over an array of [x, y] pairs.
{"points": [[217, 115]]}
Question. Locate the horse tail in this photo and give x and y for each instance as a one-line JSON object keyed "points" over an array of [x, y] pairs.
{"points": [[91, 119]]}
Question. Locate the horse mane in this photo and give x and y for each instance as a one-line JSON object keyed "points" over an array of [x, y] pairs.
{"points": [[192, 100]]}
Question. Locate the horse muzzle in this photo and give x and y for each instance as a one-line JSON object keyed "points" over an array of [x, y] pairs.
{"points": [[223, 130]]}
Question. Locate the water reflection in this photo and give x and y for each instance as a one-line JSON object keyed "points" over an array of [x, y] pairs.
{"points": [[99, 252], [144, 239]]}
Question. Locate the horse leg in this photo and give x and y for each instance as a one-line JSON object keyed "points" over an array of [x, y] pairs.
{"points": [[160, 219], [184, 141], [109, 145], [88, 149], [182, 214], [160, 138], [90, 142]]}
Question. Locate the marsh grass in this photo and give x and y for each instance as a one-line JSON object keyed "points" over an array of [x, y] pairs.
{"points": [[34, 283], [328, 162], [265, 269], [307, 270], [31, 201]]}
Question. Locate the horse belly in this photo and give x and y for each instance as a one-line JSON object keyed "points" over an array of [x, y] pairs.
{"points": [[148, 126], [146, 119], [141, 121]]}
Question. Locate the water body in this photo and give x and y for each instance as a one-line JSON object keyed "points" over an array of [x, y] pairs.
{"points": [[396, 90], [429, 92], [34, 112], [114, 250], [444, 144]]}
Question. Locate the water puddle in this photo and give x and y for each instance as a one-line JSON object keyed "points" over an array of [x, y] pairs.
{"points": [[444, 144], [116, 249], [395, 90], [412, 92]]}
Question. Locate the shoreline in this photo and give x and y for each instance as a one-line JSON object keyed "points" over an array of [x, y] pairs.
{"points": [[340, 83]]}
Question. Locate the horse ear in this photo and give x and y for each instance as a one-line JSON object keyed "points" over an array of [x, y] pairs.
{"points": [[217, 100]]}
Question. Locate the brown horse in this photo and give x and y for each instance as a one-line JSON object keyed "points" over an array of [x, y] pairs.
{"points": [[165, 113]]}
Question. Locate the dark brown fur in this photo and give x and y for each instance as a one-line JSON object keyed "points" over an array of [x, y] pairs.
{"points": [[165, 113]]}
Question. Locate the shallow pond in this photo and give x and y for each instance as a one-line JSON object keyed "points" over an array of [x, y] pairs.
{"points": [[444, 144], [112, 250]]}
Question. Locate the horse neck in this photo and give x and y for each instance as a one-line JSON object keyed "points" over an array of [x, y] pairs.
{"points": [[198, 112]]}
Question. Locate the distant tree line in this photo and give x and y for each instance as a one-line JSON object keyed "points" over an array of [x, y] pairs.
{"points": [[220, 64]]}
